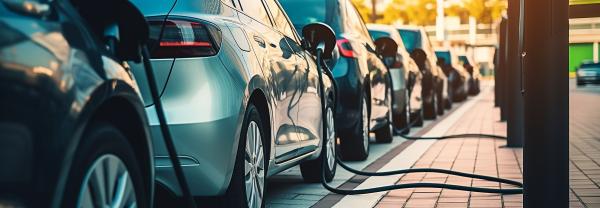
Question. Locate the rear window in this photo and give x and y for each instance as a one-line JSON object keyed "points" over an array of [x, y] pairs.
{"points": [[443, 55], [376, 34], [464, 60], [304, 12], [411, 39]]}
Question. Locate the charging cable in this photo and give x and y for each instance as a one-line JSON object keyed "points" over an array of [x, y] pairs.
{"points": [[518, 190], [165, 129]]}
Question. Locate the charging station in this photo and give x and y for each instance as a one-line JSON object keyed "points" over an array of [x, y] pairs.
{"points": [[546, 102]]}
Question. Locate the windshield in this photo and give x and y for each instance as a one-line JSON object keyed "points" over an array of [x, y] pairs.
{"points": [[375, 34], [594, 66], [411, 39], [443, 55], [304, 12]]}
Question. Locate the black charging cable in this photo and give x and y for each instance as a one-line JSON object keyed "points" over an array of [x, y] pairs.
{"points": [[518, 190], [165, 129]]}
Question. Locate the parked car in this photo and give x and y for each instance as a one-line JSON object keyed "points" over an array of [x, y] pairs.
{"points": [[457, 75], [406, 80], [73, 130], [588, 73], [435, 82], [241, 96], [474, 73], [363, 81]]}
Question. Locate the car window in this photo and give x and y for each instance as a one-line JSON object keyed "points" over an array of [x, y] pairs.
{"points": [[376, 34], [464, 60], [280, 20], [256, 10], [444, 55], [590, 66], [411, 39], [312, 11], [357, 23]]}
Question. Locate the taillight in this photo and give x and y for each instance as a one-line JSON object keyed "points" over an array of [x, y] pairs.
{"points": [[181, 38], [398, 63], [345, 48]]}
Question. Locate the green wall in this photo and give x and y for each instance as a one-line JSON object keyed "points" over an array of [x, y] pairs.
{"points": [[579, 52]]}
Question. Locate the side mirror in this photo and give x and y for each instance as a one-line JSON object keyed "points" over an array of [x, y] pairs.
{"points": [[319, 36]]}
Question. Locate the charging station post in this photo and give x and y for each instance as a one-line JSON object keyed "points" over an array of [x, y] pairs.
{"points": [[500, 75], [546, 79], [513, 81]]}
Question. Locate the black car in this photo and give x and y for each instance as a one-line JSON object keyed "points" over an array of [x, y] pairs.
{"points": [[72, 126], [435, 83], [588, 73], [458, 77], [474, 73], [364, 84]]}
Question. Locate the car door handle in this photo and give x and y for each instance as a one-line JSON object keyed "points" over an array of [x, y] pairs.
{"points": [[260, 41], [273, 45]]}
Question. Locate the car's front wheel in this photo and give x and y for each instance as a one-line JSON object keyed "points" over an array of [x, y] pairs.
{"points": [[247, 186], [312, 170], [105, 172]]}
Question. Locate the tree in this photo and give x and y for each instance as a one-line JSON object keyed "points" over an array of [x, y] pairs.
{"points": [[422, 12]]}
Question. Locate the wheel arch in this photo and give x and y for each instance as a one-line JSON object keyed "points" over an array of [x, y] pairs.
{"points": [[259, 99], [121, 113]]}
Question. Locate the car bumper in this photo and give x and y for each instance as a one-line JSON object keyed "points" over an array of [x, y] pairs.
{"points": [[204, 107], [588, 79], [349, 91]]}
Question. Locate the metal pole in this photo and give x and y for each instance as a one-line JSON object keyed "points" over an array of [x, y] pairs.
{"points": [[501, 70], [546, 85], [514, 98]]}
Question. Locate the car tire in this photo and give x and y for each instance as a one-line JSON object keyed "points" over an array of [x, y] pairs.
{"points": [[447, 103], [250, 154], [385, 134], [429, 109], [440, 104], [354, 145], [312, 170], [104, 157], [417, 118], [402, 120]]}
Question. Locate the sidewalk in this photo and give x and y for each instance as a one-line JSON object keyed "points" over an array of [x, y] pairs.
{"points": [[489, 157], [481, 156]]}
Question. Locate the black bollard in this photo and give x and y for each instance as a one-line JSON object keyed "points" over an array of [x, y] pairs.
{"points": [[514, 98], [501, 69], [546, 85]]}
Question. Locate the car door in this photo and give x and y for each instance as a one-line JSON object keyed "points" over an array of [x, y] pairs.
{"points": [[377, 70], [308, 122], [278, 66]]}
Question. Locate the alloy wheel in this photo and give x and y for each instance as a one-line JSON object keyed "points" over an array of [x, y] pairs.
{"points": [[254, 166], [107, 183], [365, 117], [330, 143], [407, 108]]}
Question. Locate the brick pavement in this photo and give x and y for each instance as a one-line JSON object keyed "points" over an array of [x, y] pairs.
{"points": [[473, 155], [489, 157]]}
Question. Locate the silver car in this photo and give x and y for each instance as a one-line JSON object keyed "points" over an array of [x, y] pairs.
{"points": [[406, 79], [241, 97]]}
